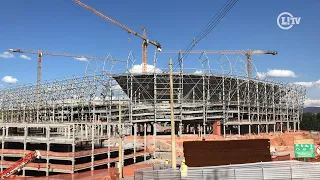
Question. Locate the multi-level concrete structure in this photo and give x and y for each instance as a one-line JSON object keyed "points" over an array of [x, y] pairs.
{"points": [[79, 116]]}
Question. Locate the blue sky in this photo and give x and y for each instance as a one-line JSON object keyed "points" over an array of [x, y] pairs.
{"points": [[63, 26]]}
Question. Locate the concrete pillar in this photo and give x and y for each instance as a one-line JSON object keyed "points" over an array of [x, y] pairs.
{"points": [[267, 128], [281, 128], [92, 146], [258, 128], [180, 129], [239, 130], [109, 141], [134, 142], [48, 149], [69, 133], [81, 131], [2, 146], [145, 141], [114, 130], [154, 137], [274, 128], [294, 126], [249, 128], [24, 147]]}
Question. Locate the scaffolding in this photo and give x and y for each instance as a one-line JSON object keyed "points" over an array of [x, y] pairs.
{"points": [[217, 94], [206, 95]]}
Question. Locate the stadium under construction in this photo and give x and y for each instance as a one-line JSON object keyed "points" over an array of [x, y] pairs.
{"points": [[78, 117]]}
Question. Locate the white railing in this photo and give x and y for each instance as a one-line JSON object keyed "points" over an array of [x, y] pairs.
{"points": [[255, 171]]}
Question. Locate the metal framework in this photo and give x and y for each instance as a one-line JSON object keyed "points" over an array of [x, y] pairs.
{"points": [[201, 97]]}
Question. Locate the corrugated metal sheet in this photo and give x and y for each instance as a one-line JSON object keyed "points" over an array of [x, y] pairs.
{"points": [[264, 170]]}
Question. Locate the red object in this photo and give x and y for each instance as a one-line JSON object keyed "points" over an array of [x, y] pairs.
{"points": [[16, 167]]}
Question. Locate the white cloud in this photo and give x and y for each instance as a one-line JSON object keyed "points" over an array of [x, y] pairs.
{"points": [[307, 84], [312, 102], [261, 75], [6, 55], [25, 57], [198, 72], [278, 73], [81, 59], [138, 68], [9, 79]]}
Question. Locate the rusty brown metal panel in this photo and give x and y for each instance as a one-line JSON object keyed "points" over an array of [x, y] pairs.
{"points": [[213, 153]]}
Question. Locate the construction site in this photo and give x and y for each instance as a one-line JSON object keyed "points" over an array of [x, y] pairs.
{"points": [[75, 123]]}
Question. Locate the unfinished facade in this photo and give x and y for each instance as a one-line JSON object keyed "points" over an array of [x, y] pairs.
{"points": [[74, 121], [71, 129]]}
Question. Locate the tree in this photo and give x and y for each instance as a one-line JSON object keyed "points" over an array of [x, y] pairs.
{"points": [[310, 121]]}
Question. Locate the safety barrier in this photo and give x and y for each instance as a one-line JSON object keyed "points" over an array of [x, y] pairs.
{"points": [[255, 171]]}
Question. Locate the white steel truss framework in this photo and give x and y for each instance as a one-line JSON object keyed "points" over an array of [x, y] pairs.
{"points": [[201, 97]]}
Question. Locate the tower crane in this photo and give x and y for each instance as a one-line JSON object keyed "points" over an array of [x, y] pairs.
{"points": [[47, 53], [145, 42], [248, 54], [41, 53]]}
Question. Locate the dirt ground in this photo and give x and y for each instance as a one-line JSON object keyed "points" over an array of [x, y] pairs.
{"points": [[282, 143]]}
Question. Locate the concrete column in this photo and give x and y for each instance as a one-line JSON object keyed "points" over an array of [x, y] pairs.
{"points": [[48, 149], [69, 133], [224, 130], [109, 136], [258, 128], [281, 128], [24, 146], [294, 126], [267, 128], [114, 130], [145, 140], [7, 131], [180, 129], [154, 137], [2, 146], [71, 113], [134, 142], [204, 105], [81, 131], [249, 128], [239, 130], [92, 146]]}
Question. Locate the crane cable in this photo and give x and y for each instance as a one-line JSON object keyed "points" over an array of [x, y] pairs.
{"points": [[207, 29]]}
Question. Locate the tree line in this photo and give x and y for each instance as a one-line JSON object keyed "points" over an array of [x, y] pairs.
{"points": [[310, 121]]}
